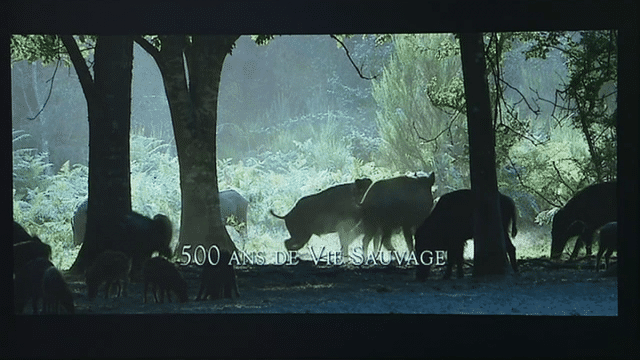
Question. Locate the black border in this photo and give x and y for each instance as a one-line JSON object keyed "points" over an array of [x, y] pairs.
{"points": [[344, 336]]}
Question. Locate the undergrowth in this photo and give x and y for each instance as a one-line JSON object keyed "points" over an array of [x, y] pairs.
{"points": [[45, 204]]}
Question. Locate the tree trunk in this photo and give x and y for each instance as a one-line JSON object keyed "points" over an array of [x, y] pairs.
{"points": [[193, 109], [109, 111], [200, 221], [489, 244]]}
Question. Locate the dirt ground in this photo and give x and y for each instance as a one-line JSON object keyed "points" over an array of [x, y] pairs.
{"points": [[540, 288]]}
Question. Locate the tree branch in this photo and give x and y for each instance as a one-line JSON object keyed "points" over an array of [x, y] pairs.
{"points": [[524, 136], [528, 188], [537, 112], [84, 76], [560, 177], [448, 127], [48, 95], [350, 59], [146, 45]]}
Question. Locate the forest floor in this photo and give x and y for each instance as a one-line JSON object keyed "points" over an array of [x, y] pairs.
{"points": [[539, 288]]}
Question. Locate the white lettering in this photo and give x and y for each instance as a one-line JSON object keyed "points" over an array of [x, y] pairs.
{"points": [[284, 255], [430, 257], [381, 254], [356, 257], [412, 259], [315, 258], [293, 258]]}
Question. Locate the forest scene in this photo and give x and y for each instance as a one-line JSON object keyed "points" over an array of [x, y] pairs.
{"points": [[301, 114]]}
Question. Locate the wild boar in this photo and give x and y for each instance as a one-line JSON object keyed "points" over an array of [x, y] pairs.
{"points": [[232, 204], [608, 242], [28, 283], [163, 276], [588, 210], [450, 225], [109, 268], [56, 292], [401, 202], [332, 210]]}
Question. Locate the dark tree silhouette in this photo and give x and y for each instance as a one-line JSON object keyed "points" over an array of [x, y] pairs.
{"points": [[489, 247], [108, 96]]}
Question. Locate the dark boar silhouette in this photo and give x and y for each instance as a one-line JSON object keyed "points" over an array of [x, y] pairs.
{"points": [[232, 204], [165, 278], [56, 292], [332, 210], [608, 242], [28, 283], [450, 225], [589, 209], [20, 234], [26, 251], [402, 202], [109, 268], [218, 281], [142, 237], [27, 247]]}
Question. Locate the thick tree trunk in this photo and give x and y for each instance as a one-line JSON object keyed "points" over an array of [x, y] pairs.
{"points": [[109, 110], [193, 107], [201, 224], [489, 244], [170, 61]]}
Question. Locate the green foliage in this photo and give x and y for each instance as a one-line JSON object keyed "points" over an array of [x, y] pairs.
{"points": [[532, 243], [548, 169], [571, 143], [295, 94], [447, 96], [29, 168], [511, 122], [36, 47], [419, 83], [590, 93], [327, 139], [421, 97], [47, 48], [155, 180], [44, 204], [326, 151], [542, 42], [262, 39]]}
